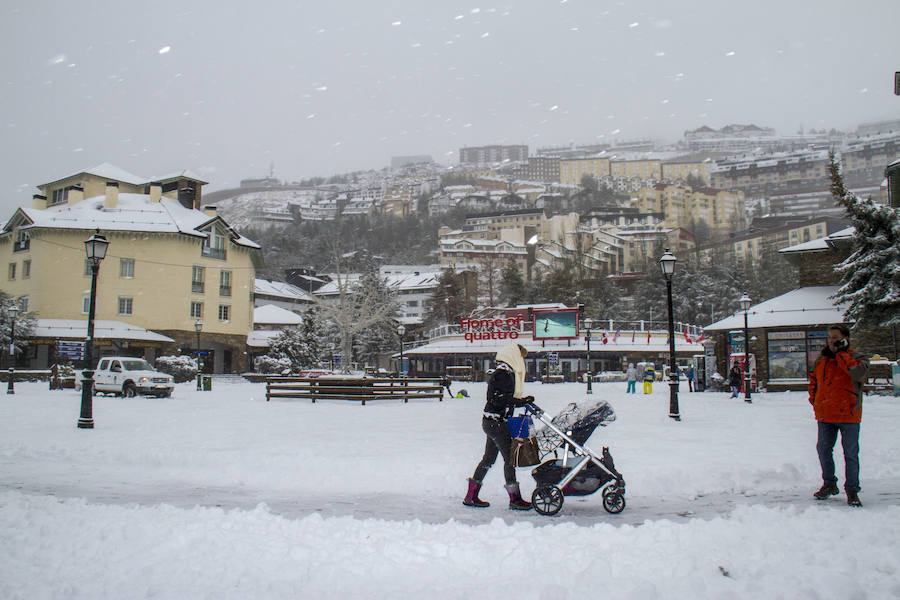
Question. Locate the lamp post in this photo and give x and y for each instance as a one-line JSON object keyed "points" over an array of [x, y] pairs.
{"points": [[745, 306], [587, 338], [198, 326], [667, 266], [13, 311], [95, 248], [400, 331]]}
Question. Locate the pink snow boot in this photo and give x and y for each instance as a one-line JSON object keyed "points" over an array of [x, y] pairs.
{"points": [[471, 498], [515, 498]]}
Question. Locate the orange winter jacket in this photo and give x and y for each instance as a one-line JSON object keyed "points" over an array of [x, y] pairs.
{"points": [[835, 386]]}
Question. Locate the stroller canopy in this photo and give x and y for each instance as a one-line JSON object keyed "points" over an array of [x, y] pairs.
{"points": [[579, 418]]}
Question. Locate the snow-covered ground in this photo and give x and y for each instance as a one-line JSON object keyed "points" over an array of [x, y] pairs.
{"points": [[223, 495]]}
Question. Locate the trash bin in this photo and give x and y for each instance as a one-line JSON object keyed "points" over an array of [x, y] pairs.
{"points": [[206, 381]]}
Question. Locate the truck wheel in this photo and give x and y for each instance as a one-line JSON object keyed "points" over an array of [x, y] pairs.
{"points": [[128, 390]]}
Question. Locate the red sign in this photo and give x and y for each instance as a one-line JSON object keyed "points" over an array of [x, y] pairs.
{"points": [[491, 329]]}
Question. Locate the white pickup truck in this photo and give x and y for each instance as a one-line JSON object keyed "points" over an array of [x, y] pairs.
{"points": [[127, 376]]}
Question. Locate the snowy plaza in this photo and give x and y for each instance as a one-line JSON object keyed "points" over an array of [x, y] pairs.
{"points": [[222, 495]]}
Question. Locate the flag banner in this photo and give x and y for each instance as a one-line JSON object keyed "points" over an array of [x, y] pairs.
{"points": [[633, 332], [648, 336], [604, 337], [616, 337], [687, 338]]}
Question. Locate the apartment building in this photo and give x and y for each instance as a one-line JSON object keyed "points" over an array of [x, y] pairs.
{"points": [[722, 210], [493, 154], [169, 264]]}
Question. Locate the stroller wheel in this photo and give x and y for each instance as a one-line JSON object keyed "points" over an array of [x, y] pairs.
{"points": [[613, 501], [547, 500]]}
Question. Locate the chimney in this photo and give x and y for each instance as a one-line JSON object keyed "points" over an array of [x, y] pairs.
{"points": [[39, 202], [75, 194], [155, 192], [112, 195], [209, 210]]}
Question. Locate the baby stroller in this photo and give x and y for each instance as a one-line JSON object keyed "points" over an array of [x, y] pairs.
{"points": [[578, 470]]}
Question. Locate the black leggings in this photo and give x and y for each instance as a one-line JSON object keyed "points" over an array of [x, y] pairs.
{"points": [[498, 440]]}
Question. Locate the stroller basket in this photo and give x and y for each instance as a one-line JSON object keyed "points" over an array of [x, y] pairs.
{"points": [[581, 420]]}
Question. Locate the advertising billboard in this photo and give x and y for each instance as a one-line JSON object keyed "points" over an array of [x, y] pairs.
{"points": [[556, 324]]}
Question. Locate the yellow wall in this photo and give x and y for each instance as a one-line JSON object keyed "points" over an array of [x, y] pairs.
{"points": [[677, 171], [160, 289], [572, 170], [647, 169]]}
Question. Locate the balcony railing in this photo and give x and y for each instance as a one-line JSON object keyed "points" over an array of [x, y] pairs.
{"points": [[210, 252], [197, 287], [225, 291], [21, 245]]}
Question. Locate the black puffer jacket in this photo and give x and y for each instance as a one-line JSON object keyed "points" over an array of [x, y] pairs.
{"points": [[501, 386]]}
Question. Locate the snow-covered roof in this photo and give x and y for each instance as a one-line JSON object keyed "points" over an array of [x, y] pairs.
{"points": [[805, 306], [114, 173], [820, 243], [658, 344], [270, 314], [261, 339], [103, 330], [397, 281], [134, 212], [280, 289]]}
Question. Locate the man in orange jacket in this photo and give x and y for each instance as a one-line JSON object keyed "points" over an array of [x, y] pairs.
{"points": [[835, 391]]}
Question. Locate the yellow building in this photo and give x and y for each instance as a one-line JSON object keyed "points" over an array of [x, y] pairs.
{"points": [[168, 265], [679, 171], [722, 210], [572, 170], [641, 169]]}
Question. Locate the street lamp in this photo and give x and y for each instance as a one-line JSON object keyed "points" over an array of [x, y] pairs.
{"points": [[95, 248], [13, 311], [400, 331], [587, 338], [198, 325], [667, 266], [745, 306]]}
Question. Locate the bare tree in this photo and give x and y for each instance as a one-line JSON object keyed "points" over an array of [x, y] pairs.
{"points": [[360, 304]]}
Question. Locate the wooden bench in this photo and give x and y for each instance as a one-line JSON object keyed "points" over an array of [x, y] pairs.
{"points": [[355, 388]]}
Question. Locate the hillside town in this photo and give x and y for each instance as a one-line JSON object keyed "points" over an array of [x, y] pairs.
{"points": [[181, 279]]}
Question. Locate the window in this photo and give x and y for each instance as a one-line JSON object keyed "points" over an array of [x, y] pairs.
{"points": [[224, 312], [85, 304], [125, 305], [787, 355], [59, 196], [23, 303], [214, 245], [23, 241], [196, 310], [412, 302], [26, 269], [126, 268], [87, 267], [197, 276], [224, 283], [12, 271]]}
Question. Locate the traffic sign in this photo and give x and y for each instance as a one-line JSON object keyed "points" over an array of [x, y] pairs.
{"points": [[553, 358]]}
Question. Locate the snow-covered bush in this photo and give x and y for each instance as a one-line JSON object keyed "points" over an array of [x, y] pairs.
{"points": [[268, 364], [182, 368]]}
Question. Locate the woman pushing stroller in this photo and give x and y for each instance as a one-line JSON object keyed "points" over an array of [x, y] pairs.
{"points": [[504, 394]]}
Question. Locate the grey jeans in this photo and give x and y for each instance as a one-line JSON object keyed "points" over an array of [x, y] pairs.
{"points": [[498, 440]]}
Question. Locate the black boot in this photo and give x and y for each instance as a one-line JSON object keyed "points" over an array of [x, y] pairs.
{"points": [[853, 498], [827, 490]]}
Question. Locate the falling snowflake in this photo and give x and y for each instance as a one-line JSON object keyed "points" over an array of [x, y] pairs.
{"points": [[164, 50], [633, 25]]}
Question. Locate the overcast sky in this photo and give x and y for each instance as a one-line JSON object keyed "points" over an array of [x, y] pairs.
{"points": [[225, 88]]}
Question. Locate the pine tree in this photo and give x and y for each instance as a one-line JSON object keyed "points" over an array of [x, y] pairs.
{"points": [[870, 276], [512, 285]]}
